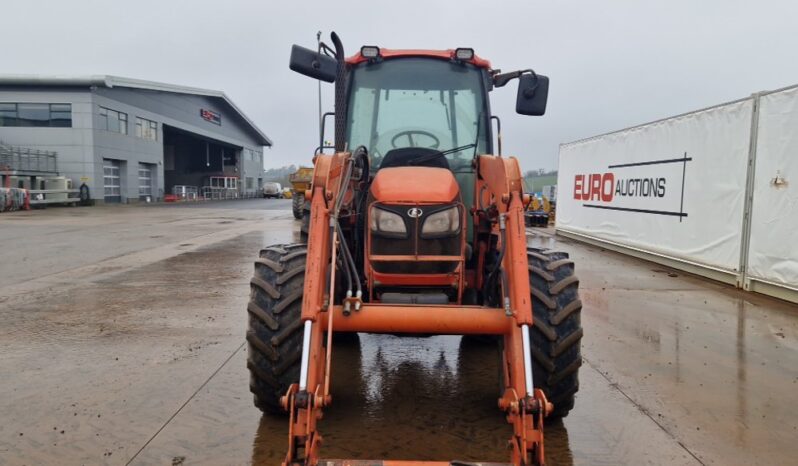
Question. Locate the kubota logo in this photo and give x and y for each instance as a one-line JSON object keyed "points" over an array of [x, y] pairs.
{"points": [[415, 212]]}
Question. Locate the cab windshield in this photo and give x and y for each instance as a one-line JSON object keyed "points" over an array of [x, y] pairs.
{"points": [[418, 102]]}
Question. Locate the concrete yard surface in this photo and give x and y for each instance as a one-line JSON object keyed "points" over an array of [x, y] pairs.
{"points": [[122, 342]]}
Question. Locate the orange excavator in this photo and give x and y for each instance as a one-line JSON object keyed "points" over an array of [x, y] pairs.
{"points": [[414, 228]]}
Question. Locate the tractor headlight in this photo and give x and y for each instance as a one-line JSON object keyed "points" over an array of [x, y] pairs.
{"points": [[442, 223], [387, 223]]}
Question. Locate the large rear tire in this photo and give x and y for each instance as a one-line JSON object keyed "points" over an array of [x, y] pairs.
{"points": [[557, 331], [274, 335], [297, 205]]}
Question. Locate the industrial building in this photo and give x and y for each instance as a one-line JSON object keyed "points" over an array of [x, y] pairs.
{"points": [[126, 139]]}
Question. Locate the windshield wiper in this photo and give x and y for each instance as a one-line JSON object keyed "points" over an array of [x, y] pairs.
{"points": [[435, 155]]}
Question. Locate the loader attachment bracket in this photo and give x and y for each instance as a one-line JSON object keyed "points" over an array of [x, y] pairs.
{"points": [[526, 416]]}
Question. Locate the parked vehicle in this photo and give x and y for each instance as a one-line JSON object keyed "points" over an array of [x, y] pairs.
{"points": [[272, 190], [300, 182]]}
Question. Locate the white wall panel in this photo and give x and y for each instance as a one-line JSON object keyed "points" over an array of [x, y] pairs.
{"points": [[773, 250], [675, 187]]}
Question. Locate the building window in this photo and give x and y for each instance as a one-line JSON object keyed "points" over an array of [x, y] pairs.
{"points": [[33, 115], [61, 115], [146, 129], [250, 182], [253, 155], [8, 114], [113, 121], [36, 115]]}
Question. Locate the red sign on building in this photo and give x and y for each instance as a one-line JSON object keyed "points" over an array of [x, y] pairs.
{"points": [[210, 115]]}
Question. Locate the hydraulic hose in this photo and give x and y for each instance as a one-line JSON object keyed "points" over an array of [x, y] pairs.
{"points": [[347, 260], [335, 227], [361, 199], [344, 261], [342, 192], [351, 271], [491, 280], [351, 262]]}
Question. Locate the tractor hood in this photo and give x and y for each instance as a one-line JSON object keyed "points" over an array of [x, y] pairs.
{"points": [[424, 185]]}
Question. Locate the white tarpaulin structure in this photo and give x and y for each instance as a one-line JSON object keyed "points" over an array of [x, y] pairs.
{"points": [[773, 245], [678, 191]]}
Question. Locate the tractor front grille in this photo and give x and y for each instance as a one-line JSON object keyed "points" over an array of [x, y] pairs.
{"points": [[413, 244]]}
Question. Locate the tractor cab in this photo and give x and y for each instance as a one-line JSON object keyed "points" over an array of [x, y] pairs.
{"points": [[422, 117], [418, 108]]}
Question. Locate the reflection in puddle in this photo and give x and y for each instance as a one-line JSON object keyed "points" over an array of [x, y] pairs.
{"points": [[410, 398], [386, 358]]}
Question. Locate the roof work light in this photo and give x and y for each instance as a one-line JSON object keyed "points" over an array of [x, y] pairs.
{"points": [[370, 51], [464, 53]]}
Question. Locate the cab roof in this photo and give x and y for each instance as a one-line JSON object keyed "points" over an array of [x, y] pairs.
{"points": [[399, 53]]}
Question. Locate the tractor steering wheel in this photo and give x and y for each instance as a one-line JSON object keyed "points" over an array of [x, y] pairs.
{"points": [[410, 133]]}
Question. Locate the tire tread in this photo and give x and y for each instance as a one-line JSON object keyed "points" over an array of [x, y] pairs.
{"points": [[557, 330], [274, 336]]}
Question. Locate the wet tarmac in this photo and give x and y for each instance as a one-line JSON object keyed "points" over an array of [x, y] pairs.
{"points": [[121, 335]]}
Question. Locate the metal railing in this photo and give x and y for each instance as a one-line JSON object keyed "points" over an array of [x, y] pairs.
{"points": [[23, 159], [209, 193], [214, 193], [185, 193]]}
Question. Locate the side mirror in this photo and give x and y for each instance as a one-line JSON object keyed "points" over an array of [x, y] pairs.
{"points": [[313, 64], [533, 92]]}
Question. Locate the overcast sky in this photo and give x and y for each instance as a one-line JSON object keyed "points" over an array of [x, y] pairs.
{"points": [[612, 64]]}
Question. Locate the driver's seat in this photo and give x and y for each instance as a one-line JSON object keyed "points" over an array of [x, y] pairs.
{"points": [[405, 156]]}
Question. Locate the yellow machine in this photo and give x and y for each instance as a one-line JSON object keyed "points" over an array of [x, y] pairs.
{"points": [[300, 182], [539, 212], [541, 203]]}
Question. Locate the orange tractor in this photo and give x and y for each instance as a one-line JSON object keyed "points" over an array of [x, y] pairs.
{"points": [[414, 229]]}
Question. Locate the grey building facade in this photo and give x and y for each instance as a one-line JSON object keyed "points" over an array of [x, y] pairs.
{"points": [[129, 139]]}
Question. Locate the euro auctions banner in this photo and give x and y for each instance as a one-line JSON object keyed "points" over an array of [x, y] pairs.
{"points": [[673, 187]]}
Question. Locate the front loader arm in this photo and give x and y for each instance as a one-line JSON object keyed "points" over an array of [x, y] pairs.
{"points": [[305, 399], [499, 184], [500, 188]]}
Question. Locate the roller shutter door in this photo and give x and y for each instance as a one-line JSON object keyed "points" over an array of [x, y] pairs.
{"points": [[145, 180], [112, 181]]}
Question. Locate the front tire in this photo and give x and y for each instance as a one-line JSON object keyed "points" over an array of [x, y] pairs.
{"points": [[557, 329], [274, 336]]}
